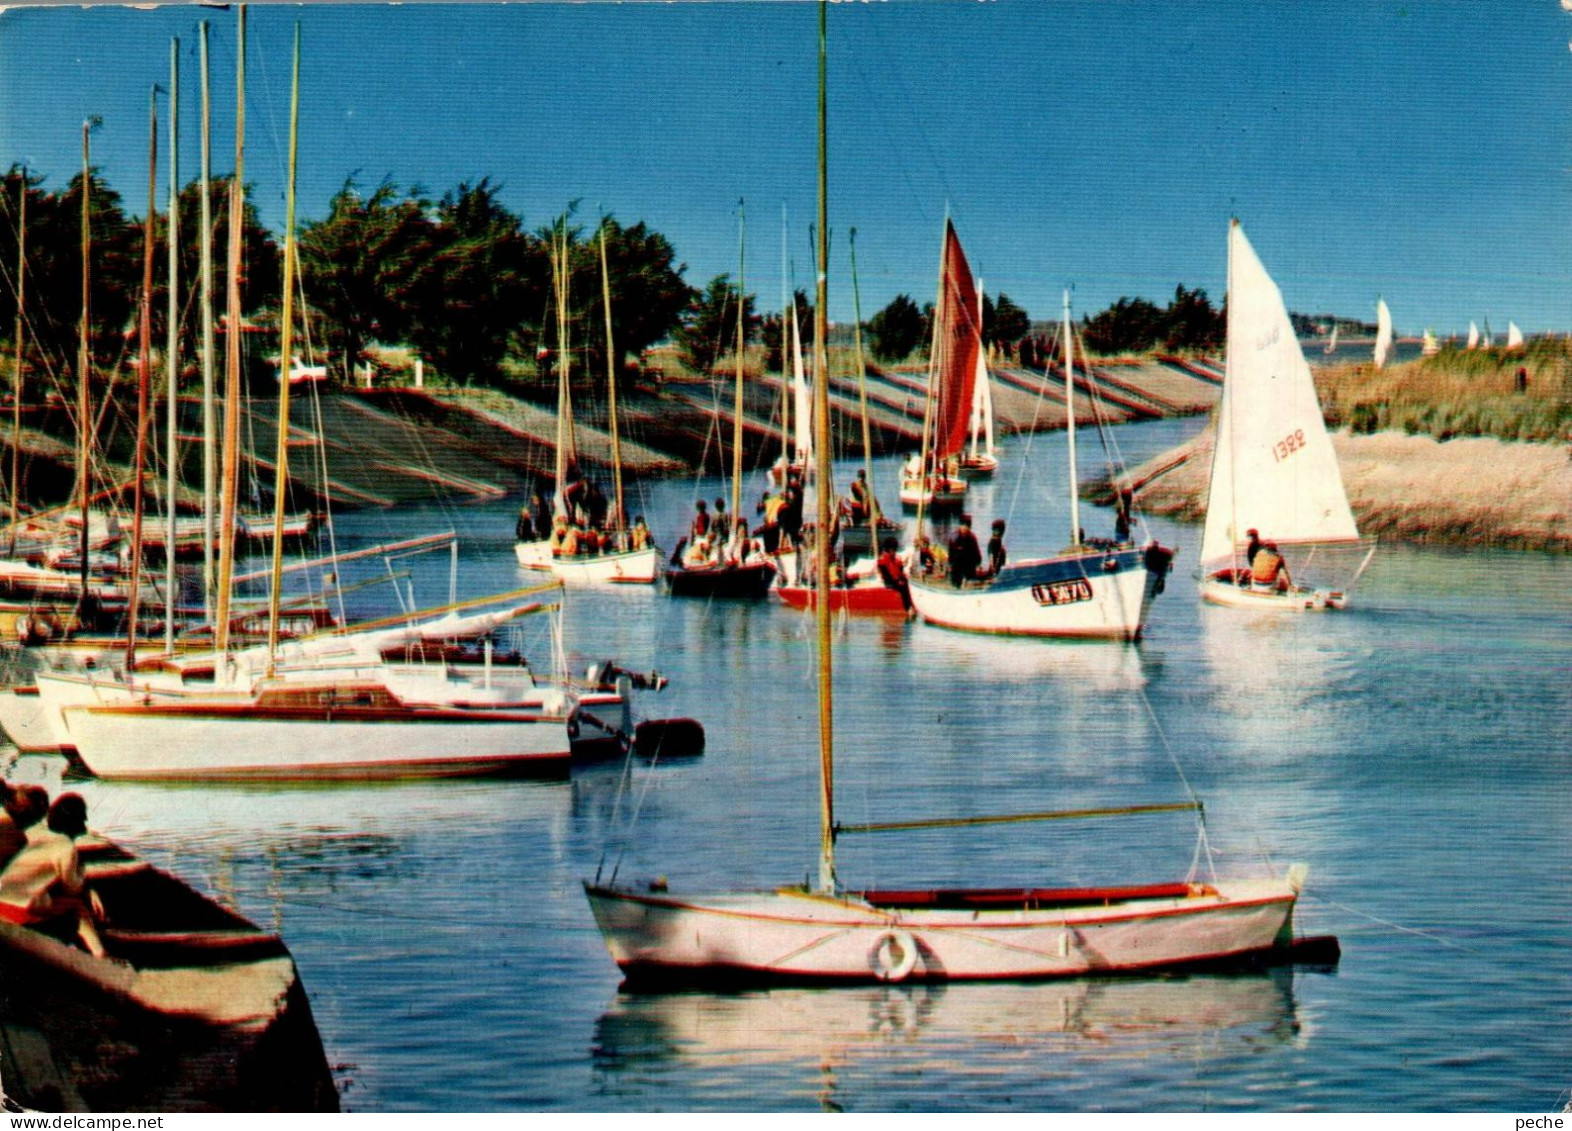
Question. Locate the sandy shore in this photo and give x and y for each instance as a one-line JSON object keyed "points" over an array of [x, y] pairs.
{"points": [[1475, 491]]}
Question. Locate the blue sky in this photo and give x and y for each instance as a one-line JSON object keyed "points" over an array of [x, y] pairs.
{"points": [[1415, 150]]}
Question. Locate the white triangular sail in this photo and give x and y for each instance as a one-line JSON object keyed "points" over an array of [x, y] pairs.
{"points": [[1514, 336], [1383, 342], [1432, 345], [1274, 469], [1331, 343], [1473, 335], [802, 405], [982, 399]]}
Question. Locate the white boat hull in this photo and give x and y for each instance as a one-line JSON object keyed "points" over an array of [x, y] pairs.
{"points": [[1075, 596], [327, 736], [1219, 591], [792, 935], [629, 567], [29, 723]]}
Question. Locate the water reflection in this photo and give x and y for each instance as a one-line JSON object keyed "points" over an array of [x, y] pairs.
{"points": [[810, 1043]]}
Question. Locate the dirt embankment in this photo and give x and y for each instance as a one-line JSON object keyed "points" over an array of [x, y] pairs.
{"points": [[1471, 491]]}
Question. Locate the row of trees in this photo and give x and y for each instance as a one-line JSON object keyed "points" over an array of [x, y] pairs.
{"points": [[463, 283]]}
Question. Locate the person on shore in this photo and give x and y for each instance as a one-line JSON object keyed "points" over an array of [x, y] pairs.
{"points": [[892, 571], [965, 555], [43, 886], [1268, 570], [996, 551]]}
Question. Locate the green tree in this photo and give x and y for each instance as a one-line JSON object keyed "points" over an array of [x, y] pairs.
{"points": [[1192, 323], [371, 267], [1004, 323], [776, 329], [1130, 325], [648, 293], [709, 325], [898, 329]]}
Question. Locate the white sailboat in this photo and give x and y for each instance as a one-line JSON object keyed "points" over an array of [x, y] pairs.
{"points": [[1331, 343], [614, 561], [1383, 342], [828, 933], [1093, 591], [1431, 345], [1273, 466], [1473, 335], [1514, 337]]}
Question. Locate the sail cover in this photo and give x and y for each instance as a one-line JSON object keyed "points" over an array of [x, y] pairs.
{"points": [[1273, 469], [956, 341]]}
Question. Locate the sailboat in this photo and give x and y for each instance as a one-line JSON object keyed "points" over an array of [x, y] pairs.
{"points": [[613, 561], [1431, 345], [1273, 466], [1331, 343], [927, 482], [1514, 337], [1383, 342], [1090, 590], [1473, 335], [980, 460], [826, 932]]}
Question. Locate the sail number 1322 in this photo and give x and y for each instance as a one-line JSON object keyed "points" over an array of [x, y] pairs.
{"points": [[1288, 445]]}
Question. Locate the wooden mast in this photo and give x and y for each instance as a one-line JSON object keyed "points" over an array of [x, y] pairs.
{"points": [[934, 362], [736, 422], [619, 516], [144, 368], [209, 411], [230, 486], [821, 543], [862, 396], [172, 349], [1069, 420], [285, 346], [788, 310], [559, 279], [16, 376], [84, 400]]}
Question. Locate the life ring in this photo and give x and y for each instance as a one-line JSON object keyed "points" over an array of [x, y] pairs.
{"points": [[894, 956]]}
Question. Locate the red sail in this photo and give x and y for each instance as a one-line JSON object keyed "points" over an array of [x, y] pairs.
{"points": [[957, 338]]}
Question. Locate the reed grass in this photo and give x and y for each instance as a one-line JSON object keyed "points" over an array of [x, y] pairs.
{"points": [[1458, 393]]}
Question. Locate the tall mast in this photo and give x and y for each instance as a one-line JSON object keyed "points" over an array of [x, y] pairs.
{"points": [[736, 422], [935, 360], [286, 344], [862, 394], [1069, 421], [559, 278], [980, 386], [821, 551], [172, 347], [16, 376], [144, 369], [786, 392], [620, 516], [84, 400], [209, 410], [229, 488]]}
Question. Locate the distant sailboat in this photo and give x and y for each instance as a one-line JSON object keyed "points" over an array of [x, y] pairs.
{"points": [[980, 460], [1473, 336], [1331, 343], [1514, 337], [1383, 342], [1273, 466], [1431, 345], [926, 481]]}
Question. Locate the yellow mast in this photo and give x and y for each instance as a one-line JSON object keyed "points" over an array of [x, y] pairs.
{"points": [[286, 345], [619, 518], [736, 422], [172, 349], [84, 401], [144, 365], [230, 485], [16, 377], [821, 551], [862, 396]]}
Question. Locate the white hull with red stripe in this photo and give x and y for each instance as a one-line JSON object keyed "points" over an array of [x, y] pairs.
{"points": [[795, 935]]}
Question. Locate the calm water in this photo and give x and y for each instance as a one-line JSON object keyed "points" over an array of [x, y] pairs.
{"points": [[1413, 752]]}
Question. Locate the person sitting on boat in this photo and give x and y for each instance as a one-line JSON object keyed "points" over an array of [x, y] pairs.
{"points": [[1269, 570], [770, 529], [964, 553], [700, 526], [524, 529], [559, 534], [43, 886], [12, 839], [575, 492], [541, 509], [639, 536], [912, 469], [699, 555], [739, 548], [571, 542], [892, 571], [596, 505], [1251, 550], [996, 552], [590, 541], [857, 504]]}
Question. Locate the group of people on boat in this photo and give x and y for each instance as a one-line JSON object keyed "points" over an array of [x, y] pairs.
{"points": [[42, 884], [1264, 569], [715, 541], [583, 526], [961, 558]]}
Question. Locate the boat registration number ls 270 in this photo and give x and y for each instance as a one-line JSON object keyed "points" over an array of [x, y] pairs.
{"points": [[1063, 592]]}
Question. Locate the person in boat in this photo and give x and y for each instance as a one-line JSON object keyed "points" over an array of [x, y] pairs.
{"points": [[912, 469], [699, 555], [12, 838], [524, 529], [1268, 570], [541, 509], [739, 548], [700, 526], [596, 506], [892, 571], [858, 506], [639, 536], [720, 523], [43, 886], [770, 507], [559, 534], [1122, 510], [964, 553], [996, 551], [790, 518], [575, 492], [572, 541]]}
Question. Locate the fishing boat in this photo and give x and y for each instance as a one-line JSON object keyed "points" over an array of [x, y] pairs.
{"points": [[929, 481], [613, 560], [1092, 589], [827, 932], [1383, 340], [1273, 466], [193, 1009]]}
